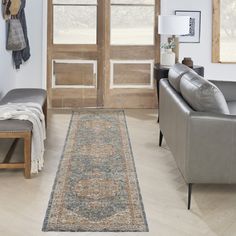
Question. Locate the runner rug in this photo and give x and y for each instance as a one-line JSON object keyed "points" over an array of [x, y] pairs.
{"points": [[96, 187]]}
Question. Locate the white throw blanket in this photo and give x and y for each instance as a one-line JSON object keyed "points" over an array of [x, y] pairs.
{"points": [[33, 113]]}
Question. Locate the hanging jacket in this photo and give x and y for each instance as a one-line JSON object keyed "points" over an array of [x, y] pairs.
{"points": [[23, 55]]}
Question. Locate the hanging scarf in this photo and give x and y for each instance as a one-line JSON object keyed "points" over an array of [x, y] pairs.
{"points": [[23, 55]]}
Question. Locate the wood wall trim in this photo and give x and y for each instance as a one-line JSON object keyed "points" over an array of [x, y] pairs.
{"points": [[216, 31], [103, 36], [133, 52], [157, 36], [75, 47], [49, 51], [76, 55]]}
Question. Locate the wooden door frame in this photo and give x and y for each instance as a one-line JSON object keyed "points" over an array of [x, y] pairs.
{"points": [[101, 50], [85, 51]]}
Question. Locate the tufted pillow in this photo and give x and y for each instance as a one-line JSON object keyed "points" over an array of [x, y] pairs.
{"points": [[202, 95], [175, 74]]}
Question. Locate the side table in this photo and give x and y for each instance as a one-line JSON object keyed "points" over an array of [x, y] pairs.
{"points": [[161, 72]]}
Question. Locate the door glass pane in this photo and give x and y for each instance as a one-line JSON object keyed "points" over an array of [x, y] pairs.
{"points": [[74, 21], [74, 24], [132, 25]]}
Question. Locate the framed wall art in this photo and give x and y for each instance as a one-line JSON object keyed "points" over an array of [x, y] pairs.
{"points": [[194, 26]]}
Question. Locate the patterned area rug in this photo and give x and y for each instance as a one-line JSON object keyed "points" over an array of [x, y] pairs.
{"points": [[96, 187]]}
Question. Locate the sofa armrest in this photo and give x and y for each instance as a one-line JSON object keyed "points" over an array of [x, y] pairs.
{"points": [[228, 88], [211, 148]]}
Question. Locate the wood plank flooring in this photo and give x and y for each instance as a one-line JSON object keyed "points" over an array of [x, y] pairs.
{"points": [[23, 202]]}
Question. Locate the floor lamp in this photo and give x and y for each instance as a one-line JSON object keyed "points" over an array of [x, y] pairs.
{"points": [[175, 26]]}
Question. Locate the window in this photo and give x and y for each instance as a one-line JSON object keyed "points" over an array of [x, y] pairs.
{"points": [[224, 31], [74, 21], [228, 30], [132, 22]]}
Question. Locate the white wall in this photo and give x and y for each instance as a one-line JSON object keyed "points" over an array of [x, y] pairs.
{"points": [[7, 79], [31, 72], [201, 52], [44, 44]]}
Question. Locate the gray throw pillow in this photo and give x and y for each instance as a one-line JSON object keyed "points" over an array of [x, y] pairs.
{"points": [[202, 95], [175, 74]]}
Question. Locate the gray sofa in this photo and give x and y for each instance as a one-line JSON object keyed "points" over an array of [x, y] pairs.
{"points": [[198, 122]]}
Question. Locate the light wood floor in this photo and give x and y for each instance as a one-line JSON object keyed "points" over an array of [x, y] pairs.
{"points": [[23, 202]]}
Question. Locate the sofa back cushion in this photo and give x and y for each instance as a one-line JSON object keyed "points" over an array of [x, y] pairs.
{"points": [[202, 95], [175, 74]]}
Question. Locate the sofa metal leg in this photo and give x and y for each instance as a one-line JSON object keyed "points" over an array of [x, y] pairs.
{"points": [[160, 138], [189, 195]]}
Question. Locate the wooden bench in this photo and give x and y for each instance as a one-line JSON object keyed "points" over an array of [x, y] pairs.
{"points": [[17, 129]]}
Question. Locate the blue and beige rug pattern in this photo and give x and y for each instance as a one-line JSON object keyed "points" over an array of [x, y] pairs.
{"points": [[96, 187]]}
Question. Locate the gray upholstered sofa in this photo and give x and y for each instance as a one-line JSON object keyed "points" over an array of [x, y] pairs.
{"points": [[198, 121]]}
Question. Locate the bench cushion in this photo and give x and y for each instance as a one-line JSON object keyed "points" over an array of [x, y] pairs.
{"points": [[15, 126], [25, 95], [20, 96]]}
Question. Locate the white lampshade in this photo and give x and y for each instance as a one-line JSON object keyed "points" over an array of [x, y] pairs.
{"points": [[173, 25]]}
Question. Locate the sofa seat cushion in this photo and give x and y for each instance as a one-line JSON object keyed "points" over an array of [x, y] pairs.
{"points": [[202, 95], [175, 74], [232, 107], [25, 95]]}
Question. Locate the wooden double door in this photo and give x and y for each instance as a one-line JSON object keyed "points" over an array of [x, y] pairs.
{"points": [[99, 65]]}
